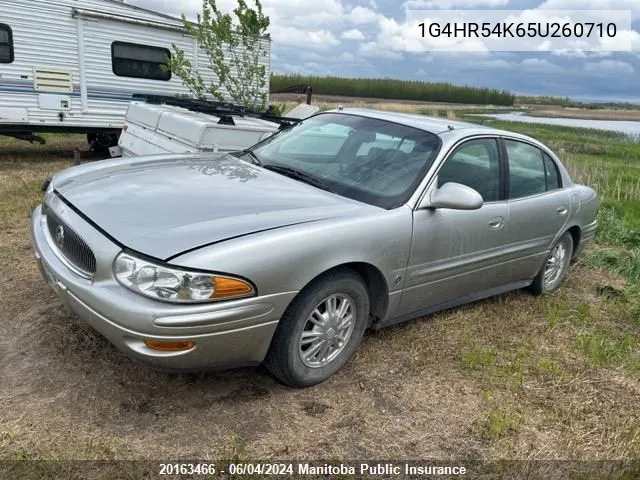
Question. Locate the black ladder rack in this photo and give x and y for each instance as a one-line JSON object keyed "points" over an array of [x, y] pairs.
{"points": [[225, 111]]}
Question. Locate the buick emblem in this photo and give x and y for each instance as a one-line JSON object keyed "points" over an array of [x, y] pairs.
{"points": [[60, 236]]}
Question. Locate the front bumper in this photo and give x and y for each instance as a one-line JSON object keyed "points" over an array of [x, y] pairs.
{"points": [[226, 334]]}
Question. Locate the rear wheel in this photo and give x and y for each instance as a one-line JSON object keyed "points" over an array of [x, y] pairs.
{"points": [[555, 267], [320, 331]]}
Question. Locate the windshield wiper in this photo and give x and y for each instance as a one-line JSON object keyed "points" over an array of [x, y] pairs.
{"points": [[254, 158], [299, 175]]}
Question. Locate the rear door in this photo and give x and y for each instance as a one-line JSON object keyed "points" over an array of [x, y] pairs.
{"points": [[538, 205]]}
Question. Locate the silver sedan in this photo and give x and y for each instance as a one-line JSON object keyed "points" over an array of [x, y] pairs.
{"points": [[288, 252]]}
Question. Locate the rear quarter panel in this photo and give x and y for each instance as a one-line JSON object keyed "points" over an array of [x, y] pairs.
{"points": [[585, 204]]}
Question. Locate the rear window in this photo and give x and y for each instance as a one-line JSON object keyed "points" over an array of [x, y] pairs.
{"points": [[140, 61], [6, 44]]}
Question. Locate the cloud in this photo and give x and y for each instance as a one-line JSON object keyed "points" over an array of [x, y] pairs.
{"points": [[452, 4], [579, 54], [297, 7], [625, 37], [540, 65], [361, 15], [632, 5], [373, 50], [331, 15], [346, 57], [490, 64], [353, 34], [607, 67], [605, 47], [496, 64], [318, 39]]}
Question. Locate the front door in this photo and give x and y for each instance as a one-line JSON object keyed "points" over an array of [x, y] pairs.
{"points": [[455, 253]]}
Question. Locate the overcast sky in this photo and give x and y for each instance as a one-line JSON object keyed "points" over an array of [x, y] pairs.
{"points": [[366, 38]]}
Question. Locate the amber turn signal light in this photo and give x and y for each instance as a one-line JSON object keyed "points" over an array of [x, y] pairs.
{"points": [[230, 287], [169, 346]]}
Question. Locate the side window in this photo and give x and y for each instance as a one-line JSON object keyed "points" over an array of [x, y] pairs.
{"points": [[6, 44], [476, 165], [139, 61], [527, 175], [552, 174]]}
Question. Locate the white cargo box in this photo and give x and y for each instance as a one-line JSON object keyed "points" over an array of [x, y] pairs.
{"points": [[151, 129], [198, 129], [136, 140], [146, 114]]}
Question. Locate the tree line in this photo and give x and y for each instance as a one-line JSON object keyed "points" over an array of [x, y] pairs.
{"points": [[395, 89]]}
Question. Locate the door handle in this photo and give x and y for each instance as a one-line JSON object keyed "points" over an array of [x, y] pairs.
{"points": [[562, 210], [496, 223]]}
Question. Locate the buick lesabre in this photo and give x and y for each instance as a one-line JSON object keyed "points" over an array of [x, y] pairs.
{"points": [[288, 252]]}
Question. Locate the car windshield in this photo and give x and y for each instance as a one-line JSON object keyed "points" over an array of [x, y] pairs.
{"points": [[366, 159]]}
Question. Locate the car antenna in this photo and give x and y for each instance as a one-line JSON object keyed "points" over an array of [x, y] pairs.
{"points": [[451, 127]]}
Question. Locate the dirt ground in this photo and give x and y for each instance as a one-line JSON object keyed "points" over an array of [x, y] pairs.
{"points": [[513, 377]]}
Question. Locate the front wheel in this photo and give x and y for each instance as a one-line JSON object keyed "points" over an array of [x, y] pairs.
{"points": [[320, 331], [555, 267]]}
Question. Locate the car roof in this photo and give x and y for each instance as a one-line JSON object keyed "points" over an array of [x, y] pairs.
{"points": [[453, 129], [429, 124]]}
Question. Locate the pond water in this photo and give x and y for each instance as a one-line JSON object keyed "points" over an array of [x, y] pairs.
{"points": [[628, 127]]}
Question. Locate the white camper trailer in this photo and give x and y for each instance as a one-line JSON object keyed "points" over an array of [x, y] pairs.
{"points": [[74, 65]]}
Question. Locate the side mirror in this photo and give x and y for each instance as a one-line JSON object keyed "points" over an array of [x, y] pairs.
{"points": [[454, 196]]}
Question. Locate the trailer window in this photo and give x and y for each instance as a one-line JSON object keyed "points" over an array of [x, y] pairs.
{"points": [[6, 44], [140, 61]]}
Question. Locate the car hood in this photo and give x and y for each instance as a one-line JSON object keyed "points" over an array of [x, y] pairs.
{"points": [[164, 206]]}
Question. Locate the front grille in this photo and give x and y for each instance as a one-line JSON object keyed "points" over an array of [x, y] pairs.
{"points": [[70, 245]]}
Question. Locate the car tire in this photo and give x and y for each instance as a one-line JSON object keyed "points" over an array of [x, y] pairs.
{"points": [[316, 314], [555, 267]]}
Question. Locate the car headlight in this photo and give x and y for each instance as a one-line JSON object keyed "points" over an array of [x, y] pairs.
{"points": [[176, 285]]}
